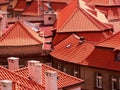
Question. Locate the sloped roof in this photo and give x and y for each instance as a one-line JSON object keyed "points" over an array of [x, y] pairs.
{"points": [[19, 35], [111, 42], [71, 50], [60, 1], [103, 2], [63, 81], [21, 5], [33, 9], [74, 19], [4, 2], [102, 58], [29, 84]]}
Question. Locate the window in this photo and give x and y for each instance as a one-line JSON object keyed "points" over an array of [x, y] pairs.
{"points": [[59, 66], [114, 83], [117, 57], [64, 69], [76, 72], [49, 18], [98, 80]]}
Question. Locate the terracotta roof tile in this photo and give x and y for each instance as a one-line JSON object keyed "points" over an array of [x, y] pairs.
{"points": [[74, 19], [26, 83], [111, 42], [71, 50], [63, 81], [4, 2], [33, 9], [21, 5], [103, 2], [19, 35], [102, 58], [63, 1]]}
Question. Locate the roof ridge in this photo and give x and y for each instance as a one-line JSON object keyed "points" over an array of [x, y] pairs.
{"points": [[93, 19], [33, 36], [107, 38], [8, 31], [19, 76], [62, 72], [68, 19]]}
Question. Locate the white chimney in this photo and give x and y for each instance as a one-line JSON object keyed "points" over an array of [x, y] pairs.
{"points": [[49, 17], [4, 20], [13, 63], [38, 73], [51, 80], [31, 66], [5, 85]]}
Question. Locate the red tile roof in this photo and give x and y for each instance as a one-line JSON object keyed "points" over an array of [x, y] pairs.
{"points": [[103, 2], [71, 50], [4, 2], [74, 19], [21, 5], [60, 1], [19, 35], [33, 9], [24, 83], [102, 58], [63, 81], [103, 55], [87, 54], [111, 42]]}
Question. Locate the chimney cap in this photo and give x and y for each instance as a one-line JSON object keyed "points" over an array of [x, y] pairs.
{"points": [[13, 58], [5, 81], [33, 61], [51, 73]]}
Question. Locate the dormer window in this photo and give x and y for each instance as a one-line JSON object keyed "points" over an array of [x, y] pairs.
{"points": [[117, 58]]}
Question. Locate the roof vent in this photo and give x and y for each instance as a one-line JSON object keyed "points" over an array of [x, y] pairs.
{"points": [[68, 46], [82, 39]]}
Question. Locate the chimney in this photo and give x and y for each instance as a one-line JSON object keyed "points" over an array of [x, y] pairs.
{"points": [[31, 69], [13, 63], [4, 20], [82, 39], [38, 73], [5, 85], [51, 80]]}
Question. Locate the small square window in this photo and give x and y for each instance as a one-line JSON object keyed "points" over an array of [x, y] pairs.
{"points": [[49, 18]]}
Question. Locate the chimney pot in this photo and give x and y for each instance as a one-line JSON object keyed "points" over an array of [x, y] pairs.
{"points": [[5, 85], [51, 80], [13, 63]]}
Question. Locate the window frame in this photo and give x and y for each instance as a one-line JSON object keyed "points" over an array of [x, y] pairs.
{"points": [[99, 80]]}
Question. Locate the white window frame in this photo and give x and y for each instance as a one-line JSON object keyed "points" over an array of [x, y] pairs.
{"points": [[99, 81], [114, 80]]}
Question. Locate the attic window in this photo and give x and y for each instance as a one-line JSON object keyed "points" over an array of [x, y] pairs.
{"points": [[117, 57], [68, 46]]}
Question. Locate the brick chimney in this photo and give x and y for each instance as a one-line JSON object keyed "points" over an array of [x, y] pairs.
{"points": [[5, 85], [51, 80], [13, 63], [34, 70]]}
